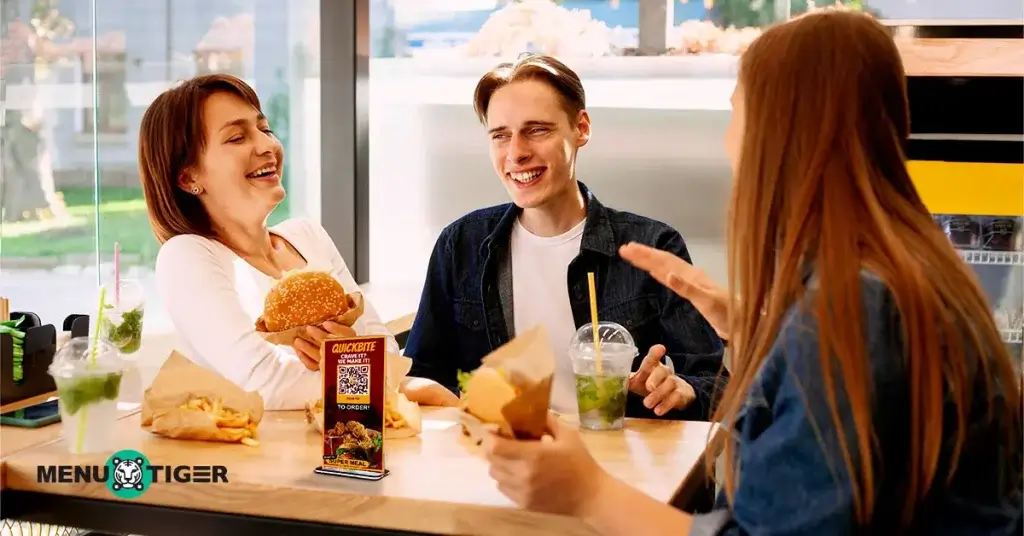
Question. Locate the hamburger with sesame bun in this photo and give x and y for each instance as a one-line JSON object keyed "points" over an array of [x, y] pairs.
{"points": [[306, 298]]}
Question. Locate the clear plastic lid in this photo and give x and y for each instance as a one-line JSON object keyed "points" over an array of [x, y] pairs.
{"points": [[613, 338], [120, 298], [74, 358]]}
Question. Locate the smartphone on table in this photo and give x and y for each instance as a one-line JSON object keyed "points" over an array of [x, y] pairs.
{"points": [[35, 416]]}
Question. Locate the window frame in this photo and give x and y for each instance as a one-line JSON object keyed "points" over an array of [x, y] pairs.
{"points": [[344, 130]]}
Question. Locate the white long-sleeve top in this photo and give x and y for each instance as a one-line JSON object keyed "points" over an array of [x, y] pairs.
{"points": [[214, 298]]}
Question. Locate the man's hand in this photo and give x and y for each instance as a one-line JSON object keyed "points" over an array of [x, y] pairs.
{"points": [[426, 392], [307, 344], [662, 390]]}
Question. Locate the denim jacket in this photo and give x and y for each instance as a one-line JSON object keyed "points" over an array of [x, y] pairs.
{"points": [[793, 478], [465, 311]]}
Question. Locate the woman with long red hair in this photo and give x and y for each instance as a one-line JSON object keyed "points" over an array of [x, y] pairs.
{"points": [[870, 391]]}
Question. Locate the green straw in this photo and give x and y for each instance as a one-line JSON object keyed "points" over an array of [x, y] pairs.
{"points": [[96, 330], [92, 364]]}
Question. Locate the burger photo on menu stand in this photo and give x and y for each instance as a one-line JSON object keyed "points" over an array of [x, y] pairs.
{"points": [[511, 390], [306, 298]]}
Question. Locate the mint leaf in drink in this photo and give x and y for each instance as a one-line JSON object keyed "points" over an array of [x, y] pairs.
{"points": [[132, 345], [74, 394], [112, 386], [587, 395], [605, 394], [127, 335], [613, 406]]}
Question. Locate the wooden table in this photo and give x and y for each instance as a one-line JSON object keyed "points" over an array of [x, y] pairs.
{"points": [[31, 401], [14, 439], [438, 483]]}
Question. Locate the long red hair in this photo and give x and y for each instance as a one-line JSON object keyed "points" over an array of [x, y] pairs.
{"points": [[826, 105]]}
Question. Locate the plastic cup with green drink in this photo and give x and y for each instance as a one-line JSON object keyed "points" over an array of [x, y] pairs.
{"points": [[602, 374], [88, 372], [123, 315]]}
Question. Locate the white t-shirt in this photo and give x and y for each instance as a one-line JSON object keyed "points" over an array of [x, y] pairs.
{"points": [[540, 295], [214, 297]]}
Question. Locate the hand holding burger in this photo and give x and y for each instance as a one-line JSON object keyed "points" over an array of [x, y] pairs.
{"points": [[302, 299], [307, 345], [304, 308]]}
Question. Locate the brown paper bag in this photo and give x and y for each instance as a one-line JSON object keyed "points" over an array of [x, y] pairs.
{"points": [[288, 336], [398, 367], [180, 380], [315, 414], [528, 362]]}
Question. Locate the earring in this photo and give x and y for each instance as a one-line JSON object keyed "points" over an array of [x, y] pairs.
{"points": [[195, 190]]}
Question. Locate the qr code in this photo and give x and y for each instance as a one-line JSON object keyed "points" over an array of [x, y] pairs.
{"points": [[354, 380]]}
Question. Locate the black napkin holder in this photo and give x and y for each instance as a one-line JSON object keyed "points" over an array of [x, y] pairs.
{"points": [[37, 354]]}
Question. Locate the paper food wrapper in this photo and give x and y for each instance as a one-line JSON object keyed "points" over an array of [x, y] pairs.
{"points": [[315, 414], [528, 362], [180, 380], [288, 336], [398, 367]]}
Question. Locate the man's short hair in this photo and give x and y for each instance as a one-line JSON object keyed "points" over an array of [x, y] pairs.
{"points": [[532, 67]]}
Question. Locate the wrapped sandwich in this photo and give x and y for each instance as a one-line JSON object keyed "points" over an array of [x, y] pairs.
{"points": [[402, 417], [306, 298], [511, 391]]}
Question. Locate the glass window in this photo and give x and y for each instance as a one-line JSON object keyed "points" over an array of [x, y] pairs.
{"points": [[70, 187], [47, 221], [109, 88], [945, 11]]}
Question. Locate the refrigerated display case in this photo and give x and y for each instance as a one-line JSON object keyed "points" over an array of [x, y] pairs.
{"points": [[994, 247], [966, 91]]}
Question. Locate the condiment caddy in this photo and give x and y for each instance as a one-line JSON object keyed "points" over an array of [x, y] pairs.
{"points": [[32, 352]]}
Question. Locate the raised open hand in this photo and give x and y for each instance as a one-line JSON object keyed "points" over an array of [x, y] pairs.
{"points": [[684, 279]]}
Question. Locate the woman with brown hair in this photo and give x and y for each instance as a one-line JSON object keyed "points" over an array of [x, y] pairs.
{"points": [[211, 175], [871, 392]]}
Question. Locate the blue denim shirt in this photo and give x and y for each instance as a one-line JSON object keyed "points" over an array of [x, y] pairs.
{"points": [[465, 311], [792, 476]]}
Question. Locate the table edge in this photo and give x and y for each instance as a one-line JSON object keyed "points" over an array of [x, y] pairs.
{"points": [[369, 511]]}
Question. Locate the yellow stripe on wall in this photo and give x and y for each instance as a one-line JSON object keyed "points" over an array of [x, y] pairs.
{"points": [[970, 188]]}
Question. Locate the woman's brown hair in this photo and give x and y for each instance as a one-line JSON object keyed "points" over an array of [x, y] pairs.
{"points": [[172, 136], [822, 181]]}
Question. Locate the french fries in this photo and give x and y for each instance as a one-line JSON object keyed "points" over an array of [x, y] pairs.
{"points": [[236, 426], [392, 418], [401, 417]]}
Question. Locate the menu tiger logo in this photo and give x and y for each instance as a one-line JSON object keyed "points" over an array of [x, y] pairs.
{"points": [[129, 473]]}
